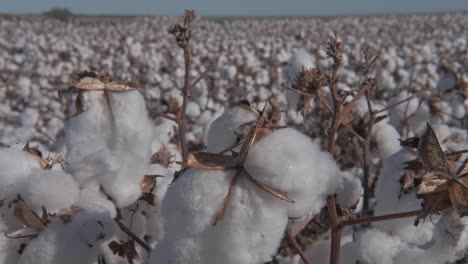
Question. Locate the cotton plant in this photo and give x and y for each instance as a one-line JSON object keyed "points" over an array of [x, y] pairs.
{"points": [[275, 175], [104, 181]]}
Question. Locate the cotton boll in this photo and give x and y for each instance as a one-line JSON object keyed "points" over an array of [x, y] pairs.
{"points": [[16, 165], [352, 191], [299, 60], [93, 200], [52, 189], [387, 139], [192, 201], [387, 192], [29, 118], [221, 133], [9, 247], [449, 245], [123, 185], [288, 160], [377, 247], [88, 132], [197, 200], [134, 129], [75, 242]]}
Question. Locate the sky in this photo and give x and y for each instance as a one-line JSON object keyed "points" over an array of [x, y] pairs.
{"points": [[236, 7]]}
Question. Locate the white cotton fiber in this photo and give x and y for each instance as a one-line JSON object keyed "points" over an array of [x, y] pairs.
{"points": [[15, 167], [110, 143], [351, 192], [221, 133], [290, 161], [387, 192], [284, 159], [52, 189], [189, 210], [377, 247], [75, 242], [386, 137], [301, 59]]}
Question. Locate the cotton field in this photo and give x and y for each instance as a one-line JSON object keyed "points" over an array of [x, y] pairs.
{"points": [[234, 140]]}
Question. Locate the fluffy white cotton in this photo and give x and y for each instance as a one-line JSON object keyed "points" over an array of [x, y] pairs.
{"points": [[386, 137], [189, 210], [377, 247], [52, 189], [193, 200], [110, 143], [222, 132], [75, 242], [388, 201], [351, 192], [15, 167], [301, 59], [290, 161]]}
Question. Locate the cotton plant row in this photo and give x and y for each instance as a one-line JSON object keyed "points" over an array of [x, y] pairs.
{"points": [[39, 55]]}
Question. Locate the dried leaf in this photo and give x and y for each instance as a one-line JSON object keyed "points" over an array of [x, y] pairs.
{"points": [[411, 142], [147, 186], [162, 157], [432, 183], [431, 153], [126, 249], [95, 84], [459, 197], [26, 216], [432, 204], [66, 214], [210, 161]]}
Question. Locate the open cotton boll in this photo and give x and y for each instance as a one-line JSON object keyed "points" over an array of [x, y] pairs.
{"points": [[351, 192], [376, 247], [93, 200], [74, 242], [123, 185], [134, 131], [9, 247], [190, 208], [290, 161], [301, 59], [221, 132], [88, 132], [52, 189], [449, 245], [387, 139], [15, 167], [387, 192]]}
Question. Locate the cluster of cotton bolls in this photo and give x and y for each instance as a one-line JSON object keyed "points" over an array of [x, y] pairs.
{"points": [[58, 209], [38, 57], [67, 198]]}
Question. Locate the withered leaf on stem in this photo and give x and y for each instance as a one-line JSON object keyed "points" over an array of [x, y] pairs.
{"points": [[441, 187], [147, 186], [125, 250], [26, 216]]}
